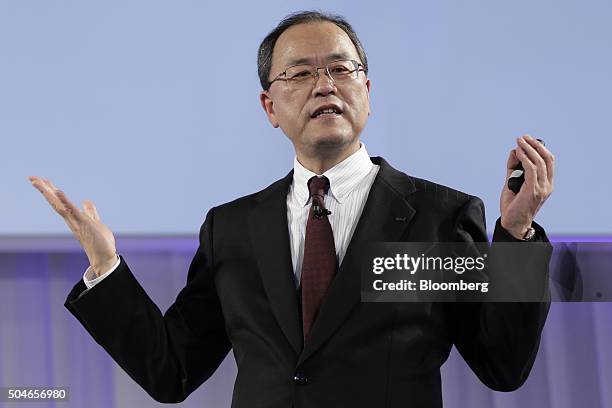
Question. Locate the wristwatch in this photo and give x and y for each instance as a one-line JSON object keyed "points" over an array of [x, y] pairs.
{"points": [[530, 234]]}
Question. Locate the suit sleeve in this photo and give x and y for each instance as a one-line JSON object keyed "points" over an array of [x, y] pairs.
{"points": [[169, 354], [499, 341]]}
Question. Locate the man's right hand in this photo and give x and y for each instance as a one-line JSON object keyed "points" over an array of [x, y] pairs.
{"points": [[96, 238]]}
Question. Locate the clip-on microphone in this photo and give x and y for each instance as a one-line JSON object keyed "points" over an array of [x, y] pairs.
{"points": [[317, 210]]}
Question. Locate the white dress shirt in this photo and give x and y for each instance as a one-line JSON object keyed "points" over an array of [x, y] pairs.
{"points": [[349, 185]]}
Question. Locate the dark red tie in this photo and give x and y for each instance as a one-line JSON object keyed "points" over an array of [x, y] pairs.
{"points": [[320, 263]]}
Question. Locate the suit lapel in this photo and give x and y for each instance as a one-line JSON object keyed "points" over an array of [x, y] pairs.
{"points": [[385, 217], [270, 239]]}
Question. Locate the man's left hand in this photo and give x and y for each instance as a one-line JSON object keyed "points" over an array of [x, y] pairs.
{"points": [[519, 210]]}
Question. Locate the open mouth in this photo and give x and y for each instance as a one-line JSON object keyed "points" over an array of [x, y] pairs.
{"points": [[326, 113]]}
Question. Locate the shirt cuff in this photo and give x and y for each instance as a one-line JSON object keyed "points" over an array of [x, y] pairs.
{"points": [[90, 279], [501, 234]]}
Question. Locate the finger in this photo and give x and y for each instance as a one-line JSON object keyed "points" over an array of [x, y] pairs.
{"points": [[43, 187], [70, 210], [59, 201], [50, 184], [36, 182], [548, 157], [90, 210], [535, 158], [46, 186], [511, 163], [530, 169]]}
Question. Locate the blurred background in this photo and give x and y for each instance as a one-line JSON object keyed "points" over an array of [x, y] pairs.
{"points": [[151, 109]]}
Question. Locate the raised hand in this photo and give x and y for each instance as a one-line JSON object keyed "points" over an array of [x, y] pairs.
{"points": [[519, 210], [96, 238]]}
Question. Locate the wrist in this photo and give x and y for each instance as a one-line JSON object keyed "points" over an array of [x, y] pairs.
{"points": [[100, 269], [517, 231]]}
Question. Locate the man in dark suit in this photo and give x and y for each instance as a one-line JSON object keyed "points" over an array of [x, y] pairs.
{"points": [[275, 276]]}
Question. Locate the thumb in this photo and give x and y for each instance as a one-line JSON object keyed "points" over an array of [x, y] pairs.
{"points": [[511, 163], [90, 210]]}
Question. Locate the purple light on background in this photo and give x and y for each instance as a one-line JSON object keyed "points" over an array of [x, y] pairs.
{"points": [[48, 346], [580, 238]]}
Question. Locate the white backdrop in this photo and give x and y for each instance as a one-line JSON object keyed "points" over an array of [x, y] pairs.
{"points": [[150, 108]]}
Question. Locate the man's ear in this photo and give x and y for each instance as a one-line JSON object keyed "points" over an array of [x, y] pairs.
{"points": [[268, 106], [367, 84]]}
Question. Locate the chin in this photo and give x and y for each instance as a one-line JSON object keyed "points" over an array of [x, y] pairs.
{"points": [[332, 140]]}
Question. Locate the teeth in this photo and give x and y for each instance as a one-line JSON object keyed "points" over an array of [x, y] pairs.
{"points": [[330, 110]]}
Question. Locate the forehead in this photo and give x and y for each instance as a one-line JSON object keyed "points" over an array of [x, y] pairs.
{"points": [[312, 43]]}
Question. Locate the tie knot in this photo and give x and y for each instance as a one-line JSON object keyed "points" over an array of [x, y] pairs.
{"points": [[318, 186]]}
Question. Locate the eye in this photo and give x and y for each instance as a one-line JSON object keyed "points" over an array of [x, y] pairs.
{"points": [[300, 74], [339, 69]]}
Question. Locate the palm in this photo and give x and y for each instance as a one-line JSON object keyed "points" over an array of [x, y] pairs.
{"points": [[96, 238], [518, 207]]}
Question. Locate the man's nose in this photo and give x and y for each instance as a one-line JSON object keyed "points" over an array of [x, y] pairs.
{"points": [[324, 83]]}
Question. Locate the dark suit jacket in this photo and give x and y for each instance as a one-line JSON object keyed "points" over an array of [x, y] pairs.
{"points": [[240, 295]]}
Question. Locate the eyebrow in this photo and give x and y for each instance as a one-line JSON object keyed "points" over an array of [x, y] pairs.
{"points": [[330, 57]]}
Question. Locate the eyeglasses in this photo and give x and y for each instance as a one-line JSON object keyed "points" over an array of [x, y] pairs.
{"points": [[302, 75]]}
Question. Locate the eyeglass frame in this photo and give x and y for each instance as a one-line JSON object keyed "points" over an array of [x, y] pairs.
{"points": [[359, 67]]}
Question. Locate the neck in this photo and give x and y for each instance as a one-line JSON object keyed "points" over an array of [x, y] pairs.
{"points": [[324, 158]]}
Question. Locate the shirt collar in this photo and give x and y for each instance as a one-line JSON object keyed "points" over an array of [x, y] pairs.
{"points": [[343, 177]]}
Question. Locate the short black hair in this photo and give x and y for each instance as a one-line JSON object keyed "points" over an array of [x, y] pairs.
{"points": [[266, 48]]}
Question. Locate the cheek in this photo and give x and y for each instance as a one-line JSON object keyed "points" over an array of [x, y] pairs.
{"points": [[361, 106], [289, 108]]}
